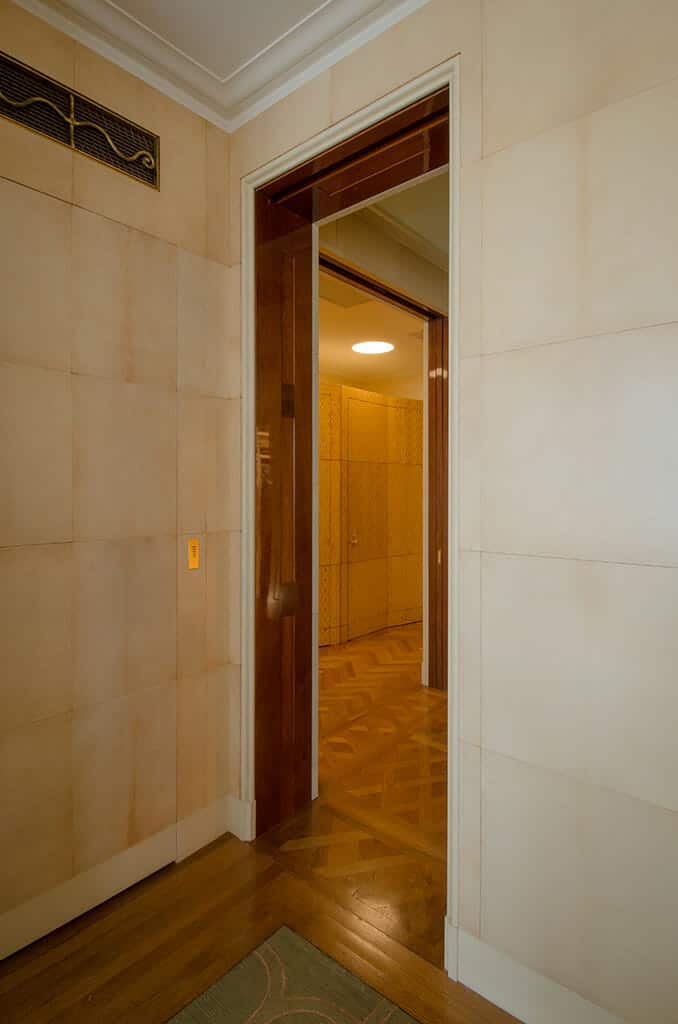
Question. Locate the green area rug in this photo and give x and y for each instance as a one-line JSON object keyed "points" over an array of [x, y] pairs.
{"points": [[287, 979]]}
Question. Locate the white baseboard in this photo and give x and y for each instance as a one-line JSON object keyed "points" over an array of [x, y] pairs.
{"points": [[226, 815], [451, 950], [49, 910], [528, 995], [243, 819]]}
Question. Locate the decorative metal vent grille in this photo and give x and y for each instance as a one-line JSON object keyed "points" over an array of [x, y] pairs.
{"points": [[45, 106]]}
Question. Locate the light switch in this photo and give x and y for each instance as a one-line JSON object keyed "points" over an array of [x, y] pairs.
{"points": [[194, 553]]}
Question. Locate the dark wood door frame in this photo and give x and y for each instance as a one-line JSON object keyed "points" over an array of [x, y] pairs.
{"points": [[436, 455], [398, 149]]}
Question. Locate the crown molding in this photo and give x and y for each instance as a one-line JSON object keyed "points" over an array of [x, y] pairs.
{"points": [[313, 46], [404, 235]]}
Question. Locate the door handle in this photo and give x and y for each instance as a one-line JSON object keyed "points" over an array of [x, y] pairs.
{"points": [[354, 540], [282, 600]]}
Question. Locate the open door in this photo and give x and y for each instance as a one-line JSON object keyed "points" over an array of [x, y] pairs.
{"points": [[284, 552], [402, 147]]}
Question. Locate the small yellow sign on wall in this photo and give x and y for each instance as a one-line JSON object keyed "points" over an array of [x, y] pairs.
{"points": [[194, 553]]}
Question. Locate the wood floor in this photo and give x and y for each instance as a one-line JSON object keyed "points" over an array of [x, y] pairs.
{"points": [[375, 839], [360, 874]]}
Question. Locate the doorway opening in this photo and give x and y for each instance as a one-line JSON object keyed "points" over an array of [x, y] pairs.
{"points": [[295, 217]]}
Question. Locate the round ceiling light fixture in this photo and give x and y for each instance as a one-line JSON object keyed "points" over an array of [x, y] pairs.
{"points": [[372, 348]]}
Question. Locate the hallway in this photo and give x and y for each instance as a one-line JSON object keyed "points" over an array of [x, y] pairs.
{"points": [[375, 839]]}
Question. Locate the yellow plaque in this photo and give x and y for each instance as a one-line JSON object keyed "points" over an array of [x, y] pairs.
{"points": [[194, 553]]}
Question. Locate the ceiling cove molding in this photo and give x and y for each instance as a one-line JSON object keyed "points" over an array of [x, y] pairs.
{"points": [[313, 46], [404, 235]]}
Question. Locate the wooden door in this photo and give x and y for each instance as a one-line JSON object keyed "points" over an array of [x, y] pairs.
{"points": [[284, 552], [438, 372], [365, 511], [383, 510]]}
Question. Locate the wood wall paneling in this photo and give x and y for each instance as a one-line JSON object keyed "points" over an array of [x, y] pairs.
{"points": [[371, 519]]}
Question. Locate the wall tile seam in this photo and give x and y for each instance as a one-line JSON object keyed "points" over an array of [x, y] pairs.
{"points": [[253, 168], [480, 735], [15, 365], [572, 339], [478, 169], [212, 802], [481, 837], [121, 223], [155, 385], [483, 79], [208, 668], [159, 535], [166, 534], [382, 94], [185, 533], [496, 553], [81, 869], [74, 710], [38, 544], [578, 117], [38, 191], [177, 518], [191, 393], [579, 780], [77, 871]]}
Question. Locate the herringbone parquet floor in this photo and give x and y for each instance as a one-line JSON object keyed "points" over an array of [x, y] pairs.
{"points": [[375, 840]]}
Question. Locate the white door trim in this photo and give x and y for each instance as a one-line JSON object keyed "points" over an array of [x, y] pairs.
{"points": [[438, 77]]}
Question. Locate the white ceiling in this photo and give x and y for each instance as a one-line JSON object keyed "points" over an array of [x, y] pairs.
{"points": [[225, 59], [347, 315], [218, 36]]}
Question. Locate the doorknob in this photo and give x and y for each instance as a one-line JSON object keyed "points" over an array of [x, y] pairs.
{"points": [[282, 600], [354, 540]]}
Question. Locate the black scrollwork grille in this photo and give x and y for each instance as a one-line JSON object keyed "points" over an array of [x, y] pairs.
{"points": [[45, 106]]}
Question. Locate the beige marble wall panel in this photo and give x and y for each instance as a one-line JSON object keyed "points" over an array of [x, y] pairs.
{"points": [[36, 271], [36, 464], [125, 451], [177, 212], [36, 639], [125, 617], [36, 804], [124, 302], [207, 304], [124, 773], [577, 883], [574, 58]]}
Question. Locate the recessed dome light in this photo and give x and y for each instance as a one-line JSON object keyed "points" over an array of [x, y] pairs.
{"points": [[372, 348]]}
